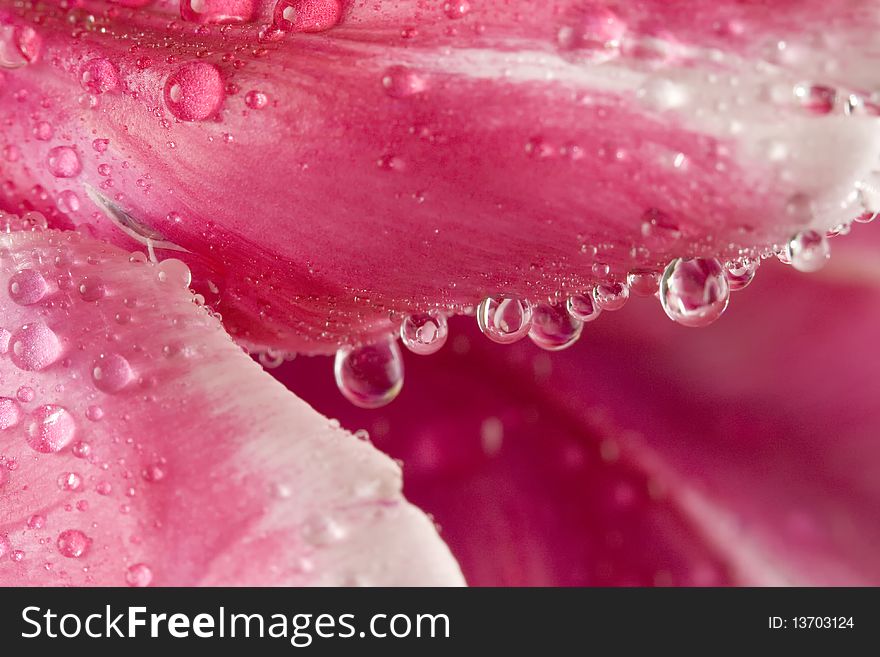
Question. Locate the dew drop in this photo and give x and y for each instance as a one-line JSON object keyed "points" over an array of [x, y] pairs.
{"points": [[10, 413], [19, 46], [504, 319], [195, 91], [658, 229], [370, 376], [610, 296], [36, 521], [256, 99], [553, 327], [816, 98], [68, 201], [217, 11], [175, 271], [69, 482], [401, 81], [25, 394], [596, 32], [35, 346], [64, 162], [111, 373], [808, 251], [94, 413], [306, 15], [643, 282], [424, 333], [139, 575], [51, 429], [73, 544], [43, 131], [91, 288], [583, 307], [27, 287], [457, 9], [741, 272], [99, 75], [694, 292]]}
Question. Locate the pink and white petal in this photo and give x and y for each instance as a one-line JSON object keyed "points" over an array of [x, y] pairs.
{"points": [[419, 155], [743, 453], [141, 445]]}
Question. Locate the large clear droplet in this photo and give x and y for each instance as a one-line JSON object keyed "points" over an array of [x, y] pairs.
{"points": [[553, 328], [694, 292], [424, 333], [808, 250], [504, 319], [611, 296], [583, 307], [370, 376]]}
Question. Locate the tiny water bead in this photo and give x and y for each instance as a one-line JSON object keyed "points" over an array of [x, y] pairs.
{"points": [[256, 99], [99, 75], [504, 319], [51, 429], [370, 376], [139, 575], [73, 544], [694, 292], [69, 482], [217, 11], [27, 287], [741, 272], [10, 413], [583, 307], [68, 201], [111, 373], [35, 347], [611, 296], [401, 81], [195, 91], [457, 8], [306, 15], [424, 333], [815, 98], [553, 327], [597, 31], [808, 251], [64, 162]]}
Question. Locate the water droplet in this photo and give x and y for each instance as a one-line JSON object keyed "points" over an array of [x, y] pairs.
{"points": [[596, 32], [610, 296], [70, 482], [553, 327], [175, 271], [111, 373], [99, 75], [370, 376], [73, 544], [68, 201], [101, 145], [694, 292], [217, 11], [306, 15], [424, 333], [808, 251], [27, 287], [400, 82], [63, 162], [816, 98], [36, 521], [583, 307], [35, 346], [256, 99], [659, 230], [504, 319], [457, 8], [43, 131], [10, 413], [195, 91], [25, 394], [91, 288], [19, 45], [51, 429], [153, 473], [643, 282], [139, 575], [81, 449], [740, 272]]}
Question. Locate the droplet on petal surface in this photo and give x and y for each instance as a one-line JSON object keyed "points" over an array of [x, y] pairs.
{"points": [[99, 75], [27, 287], [64, 162], [424, 333], [306, 15], [504, 319], [553, 327], [195, 91], [51, 428], [611, 296], [10, 413], [35, 347], [217, 11], [583, 307], [139, 575], [370, 376], [808, 251], [694, 292], [111, 373], [73, 544]]}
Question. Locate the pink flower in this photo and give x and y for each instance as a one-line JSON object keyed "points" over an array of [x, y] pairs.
{"points": [[322, 173]]}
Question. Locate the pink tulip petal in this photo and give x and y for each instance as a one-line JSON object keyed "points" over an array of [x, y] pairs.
{"points": [[744, 453], [430, 153], [140, 445]]}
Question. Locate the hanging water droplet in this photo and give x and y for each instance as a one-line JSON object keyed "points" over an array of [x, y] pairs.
{"points": [[35, 346], [424, 333], [643, 282], [64, 162], [611, 296], [808, 251], [504, 319], [217, 11], [139, 575], [73, 544], [306, 15], [51, 429], [553, 327], [583, 307], [370, 376], [740, 272], [111, 373], [27, 287], [195, 91], [694, 292]]}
